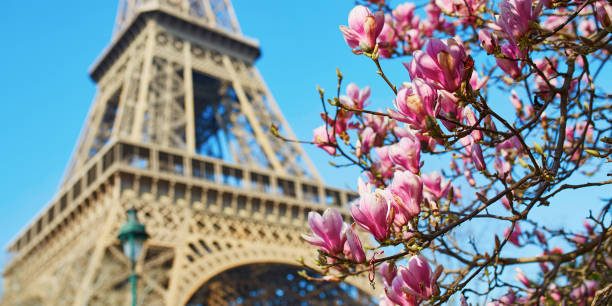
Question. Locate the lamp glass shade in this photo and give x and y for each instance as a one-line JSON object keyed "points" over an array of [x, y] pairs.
{"points": [[132, 236], [136, 244]]}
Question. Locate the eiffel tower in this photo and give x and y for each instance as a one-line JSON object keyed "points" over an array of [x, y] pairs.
{"points": [[180, 130]]}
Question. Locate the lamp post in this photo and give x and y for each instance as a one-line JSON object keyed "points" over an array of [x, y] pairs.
{"points": [[132, 236]]}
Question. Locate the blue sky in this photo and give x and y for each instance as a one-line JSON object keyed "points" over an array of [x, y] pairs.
{"points": [[45, 90]]}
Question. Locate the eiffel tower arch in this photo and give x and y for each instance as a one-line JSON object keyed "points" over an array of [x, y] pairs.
{"points": [[180, 130]]}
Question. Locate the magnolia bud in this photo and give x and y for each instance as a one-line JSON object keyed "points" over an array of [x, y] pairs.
{"points": [[488, 41], [369, 27], [603, 14]]}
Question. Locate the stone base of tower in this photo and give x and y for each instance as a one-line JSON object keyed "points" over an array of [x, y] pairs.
{"points": [[203, 220]]}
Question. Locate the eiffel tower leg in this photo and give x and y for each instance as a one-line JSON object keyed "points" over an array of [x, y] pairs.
{"points": [[105, 238], [285, 125], [250, 114], [182, 232], [189, 112], [145, 79], [131, 72]]}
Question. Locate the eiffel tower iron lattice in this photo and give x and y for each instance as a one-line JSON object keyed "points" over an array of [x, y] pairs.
{"points": [[179, 129]]}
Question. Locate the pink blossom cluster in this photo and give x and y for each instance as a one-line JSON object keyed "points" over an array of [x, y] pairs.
{"points": [[578, 295], [399, 32], [333, 236], [411, 284], [443, 108]]}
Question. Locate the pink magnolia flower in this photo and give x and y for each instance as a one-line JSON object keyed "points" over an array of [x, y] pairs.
{"points": [[604, 13], [477, 156], [323, 139], [384, 300], [587, 226], [435, 185], [406, 154], [379, 124], [540, 236], [339, 124], [407, 193], [417, 279], [429, 143], [557, 250], [373, 212], [506, 203], [554, 293], [388, 271], [396, 297], [387, 40], [489, 123], [516, 101], [453, 166], [514, 236], [469, 177], [462, 8], [510, 146], [509, 299], [447, 6], [579, 239], [446, 26], [328, 231], [414, 41], [587, 27], [503, 169], [384, 166], [355, 97], [580, 129], [545, 89], [457, 195], [353, 248], [404, 16], [521, 277], [414, 103], [404, 131], [584, 291], [441, 65], [510, 65], [434, 19], [364, 27], [512, 143], [528, 111], [516, 17], [469, 116], [544, 266], [554, 21], [549, 3], [367, 139], [547, 65], [465, 142], [569, 135], [449, 109], [476, 82], [488, 41]]}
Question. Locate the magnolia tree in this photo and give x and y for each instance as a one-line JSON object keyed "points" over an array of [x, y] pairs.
{"points": [[543, 57]]}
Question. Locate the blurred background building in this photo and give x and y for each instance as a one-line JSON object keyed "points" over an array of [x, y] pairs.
{"points": [[180, 130]]}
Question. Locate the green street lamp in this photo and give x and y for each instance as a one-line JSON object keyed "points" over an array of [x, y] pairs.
{"points": [[132, 236]]}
